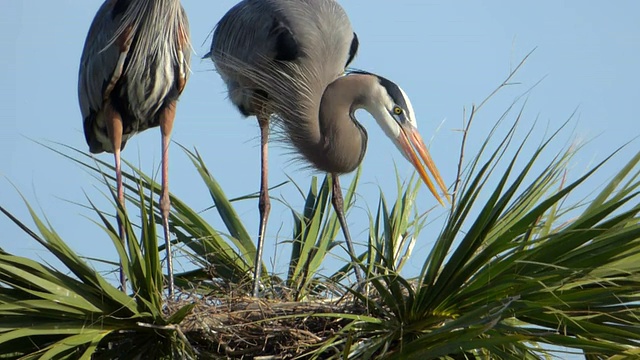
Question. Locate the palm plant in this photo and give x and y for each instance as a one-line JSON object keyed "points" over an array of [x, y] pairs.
{"points": [[512, 280], [517, 271], [48, 314]]}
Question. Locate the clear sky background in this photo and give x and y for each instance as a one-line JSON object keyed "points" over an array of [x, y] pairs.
{"points": [[446, 55]]}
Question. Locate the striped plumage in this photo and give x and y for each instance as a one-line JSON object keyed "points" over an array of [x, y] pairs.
{"points": [[154, 67], [134, 67]]}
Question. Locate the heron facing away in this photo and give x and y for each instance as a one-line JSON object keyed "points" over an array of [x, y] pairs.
{"points": [[134, 67], [284, 60]]}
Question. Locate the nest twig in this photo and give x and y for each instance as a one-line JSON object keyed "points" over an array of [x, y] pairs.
{"points": [[262, 329]]}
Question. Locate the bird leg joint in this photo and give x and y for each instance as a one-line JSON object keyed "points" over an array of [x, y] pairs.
{"points": [[165, 205], [264, 203]]}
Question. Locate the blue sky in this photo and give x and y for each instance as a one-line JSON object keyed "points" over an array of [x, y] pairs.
{"points": [[447, 55]]}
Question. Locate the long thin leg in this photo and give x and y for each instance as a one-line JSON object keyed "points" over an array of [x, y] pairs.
{"points": [[338, 205], [166, 125], [264, 204], [114, 130]]}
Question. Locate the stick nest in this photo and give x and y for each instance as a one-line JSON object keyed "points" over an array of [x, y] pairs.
{"points": [[262, 329]]}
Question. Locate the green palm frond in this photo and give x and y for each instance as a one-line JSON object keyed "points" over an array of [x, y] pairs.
{"points": [[231, 257], [228, 256], [314, 234], [393, 232], [47, 314], [506, 283], [518, 270]]}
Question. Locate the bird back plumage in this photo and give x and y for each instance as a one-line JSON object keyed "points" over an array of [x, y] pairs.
{"points": [[155, 66], [253, 49]]}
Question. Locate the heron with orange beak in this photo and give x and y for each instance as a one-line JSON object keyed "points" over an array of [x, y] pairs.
{"points": [[284, 62]]}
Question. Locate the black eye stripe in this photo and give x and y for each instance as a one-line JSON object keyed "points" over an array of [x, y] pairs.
{"points": [[393, 90], [395, 93]]}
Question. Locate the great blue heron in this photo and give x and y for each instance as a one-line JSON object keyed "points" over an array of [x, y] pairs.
{"points": [[286, 58], [134, 66]]}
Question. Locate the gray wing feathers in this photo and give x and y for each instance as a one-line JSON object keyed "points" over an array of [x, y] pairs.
{"points": [[186, 49], [244, 49], [241, 40], [243, 32], [98, 61], [136, 58]]}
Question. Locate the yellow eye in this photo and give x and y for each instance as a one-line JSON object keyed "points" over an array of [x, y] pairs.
{"points": [[397, 110]]}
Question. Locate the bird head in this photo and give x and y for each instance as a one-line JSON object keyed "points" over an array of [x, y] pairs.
{"points": [[391, 108]]}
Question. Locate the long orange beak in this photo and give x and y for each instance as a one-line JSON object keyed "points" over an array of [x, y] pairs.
{"points": [[411, 142]]}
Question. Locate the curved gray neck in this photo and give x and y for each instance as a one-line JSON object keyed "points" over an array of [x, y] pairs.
{"points": [[339, 143]]}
